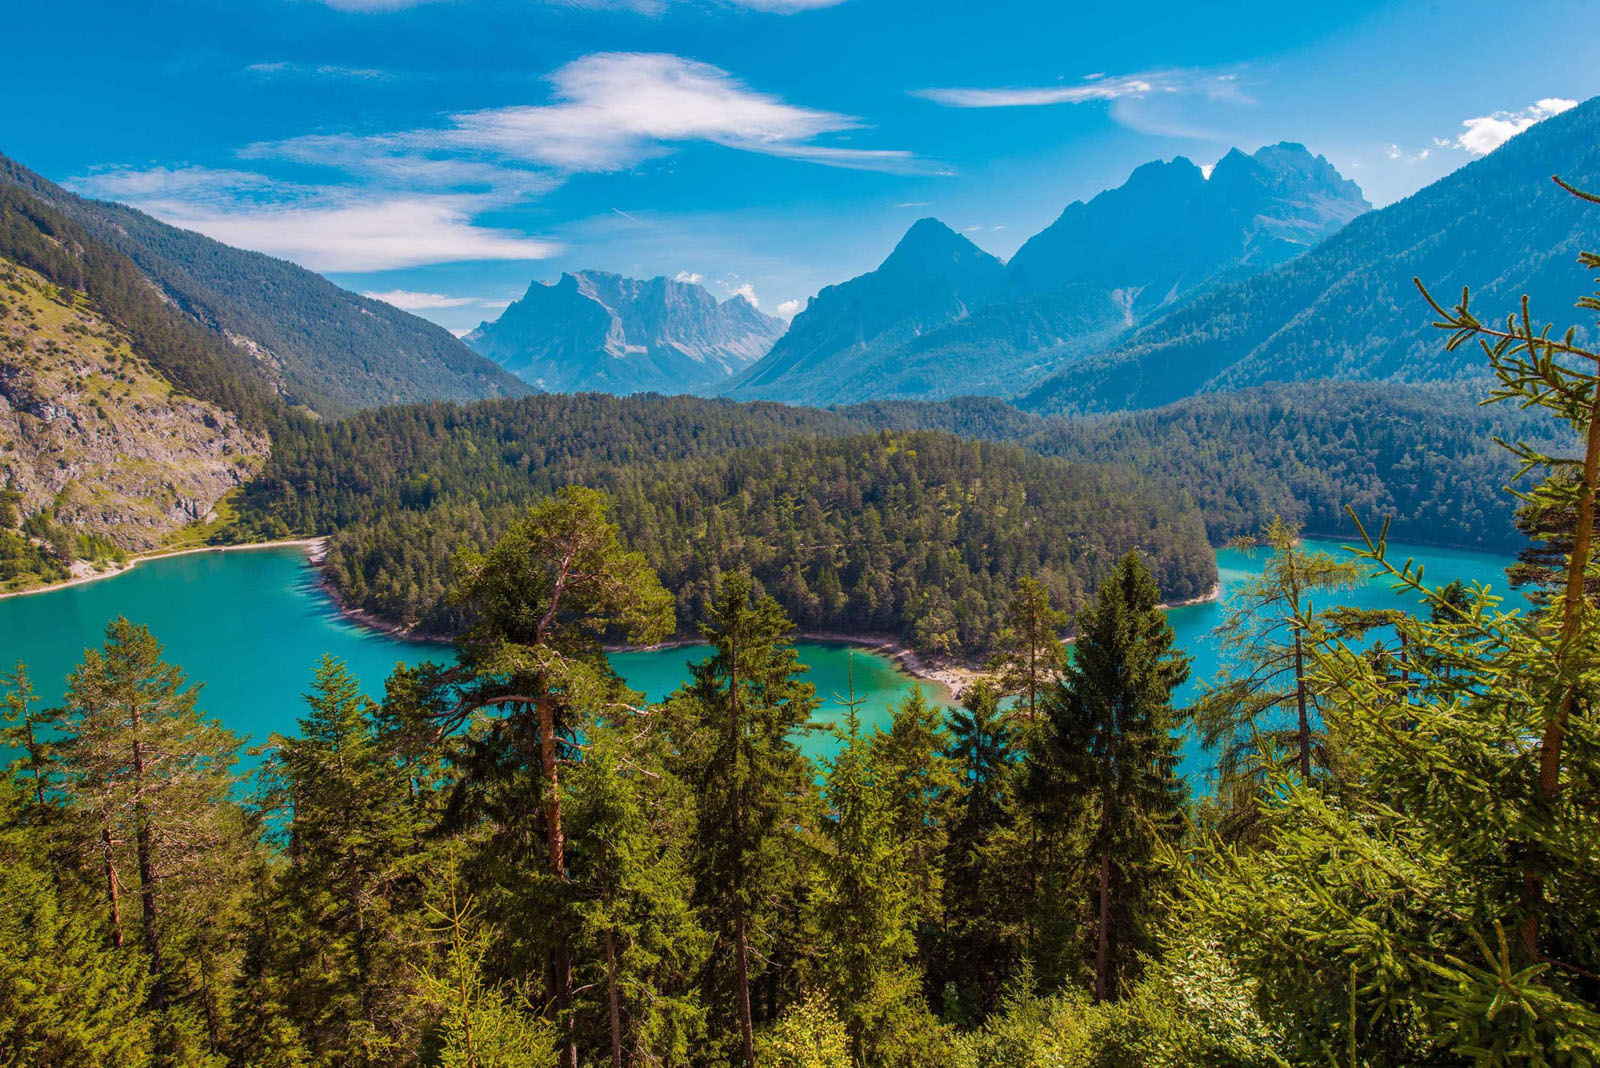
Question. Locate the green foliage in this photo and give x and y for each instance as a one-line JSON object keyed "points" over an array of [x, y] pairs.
{"points": [[1110, 747], [919, 535], [1261, 713], [1432, 899], [64, 1002], [735, 724]]}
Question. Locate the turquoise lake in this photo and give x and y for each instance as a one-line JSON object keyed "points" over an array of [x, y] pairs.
{"points": [[250, 625]]}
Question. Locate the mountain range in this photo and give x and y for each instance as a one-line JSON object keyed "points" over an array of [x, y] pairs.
{"points": [[1349, 310], [597, 331], [940, 317], [311, 342]]}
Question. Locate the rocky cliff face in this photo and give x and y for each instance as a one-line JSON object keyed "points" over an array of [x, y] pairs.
{"points": [[91, 432], [599, 331]]}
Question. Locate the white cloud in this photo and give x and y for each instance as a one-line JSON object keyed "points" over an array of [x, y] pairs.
{"points": [[1486, 133], [748, 292], [609, 111], [414, 301], [690, 277], [1400, 155], [320, 227], [788, 309], [1098, 89], [614, 109]]}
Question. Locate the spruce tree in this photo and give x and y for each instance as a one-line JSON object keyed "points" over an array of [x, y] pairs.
{"points": [[1111, 745], [864, 908], [632, 820], [736, 721], [350, 888]]}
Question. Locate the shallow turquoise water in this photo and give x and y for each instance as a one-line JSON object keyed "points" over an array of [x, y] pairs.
{"points": [[1193, 623], [251, 625]]}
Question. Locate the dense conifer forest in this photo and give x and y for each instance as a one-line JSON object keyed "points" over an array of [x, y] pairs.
{"points": [[513, 860]]}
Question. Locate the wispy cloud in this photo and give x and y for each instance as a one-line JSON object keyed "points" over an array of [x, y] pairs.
{"points": [[411, 300], [414, 196], [1098, 89], [1486, 133], [692, 278], [1152, 102], [286, 69], [788, 309], [609, 111], [325, 228]]}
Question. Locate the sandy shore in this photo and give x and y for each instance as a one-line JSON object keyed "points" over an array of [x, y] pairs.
{"points": [[314, 547]]}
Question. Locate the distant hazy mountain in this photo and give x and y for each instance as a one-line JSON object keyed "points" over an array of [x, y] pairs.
{"points": [[934, 277], [604, 332], [941, 317], [1348, 309], [313, 342], [1169, 231]]}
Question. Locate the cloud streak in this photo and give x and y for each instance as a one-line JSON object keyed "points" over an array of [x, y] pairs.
{"points": [[1099, 89]]}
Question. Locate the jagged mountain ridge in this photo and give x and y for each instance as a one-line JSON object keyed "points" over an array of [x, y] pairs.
{"points": [[941, 317], [592, 330], [1348, 309]]}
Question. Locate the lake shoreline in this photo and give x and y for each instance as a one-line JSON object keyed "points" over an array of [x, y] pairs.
{"points": [[315, 552], [952, 675]]}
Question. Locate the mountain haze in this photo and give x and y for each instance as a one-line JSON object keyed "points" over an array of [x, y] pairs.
{"points": [[1348, 308], [598, 331], [941, 317]]}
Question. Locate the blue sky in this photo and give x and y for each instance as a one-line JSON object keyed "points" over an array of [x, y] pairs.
{"points": [[448, 152]]}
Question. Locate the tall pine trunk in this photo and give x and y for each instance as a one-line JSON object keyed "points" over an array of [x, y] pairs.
{"points": [[144, 847], [1571, 621], [741, 946], [111, 881], [560, 965], [614, 998], [1300, 701]]}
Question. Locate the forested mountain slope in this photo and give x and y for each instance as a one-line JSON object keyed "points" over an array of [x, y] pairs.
{"points": [[318, 345], [1348, 309], [400, 487]]}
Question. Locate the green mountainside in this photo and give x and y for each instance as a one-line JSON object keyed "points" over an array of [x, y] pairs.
{"points": [[318, 345], [1347, 309]]}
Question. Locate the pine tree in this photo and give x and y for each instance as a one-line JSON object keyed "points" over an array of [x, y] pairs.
{"points": [[349, 895], [631, 821], [1111, 745], [67, 998], [137, 753], [1260, 713], [1031, 653], [864, 907], [922, 796], [736, 721], [27, 731], [985, 884], [542, 600]]}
